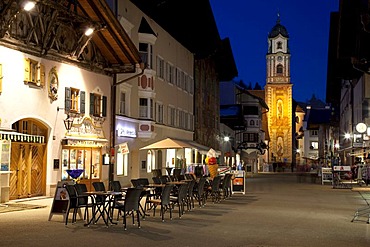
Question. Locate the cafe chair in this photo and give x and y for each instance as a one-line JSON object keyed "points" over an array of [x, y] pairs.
{"points": [[164, 201], [83, 200], [180, 198], [156, 180], [190, 195], [130, 205], [72, 203], [225, 186], [116, 187], [214, 190], [199, 192], [99, 200], [76, 202]]}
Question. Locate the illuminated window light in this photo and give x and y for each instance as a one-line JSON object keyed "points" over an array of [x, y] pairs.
{"points": [[29, 5], [89, 31]]}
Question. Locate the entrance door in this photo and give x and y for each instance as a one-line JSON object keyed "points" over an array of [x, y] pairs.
{"points": [[86, 158], [28, 170]]}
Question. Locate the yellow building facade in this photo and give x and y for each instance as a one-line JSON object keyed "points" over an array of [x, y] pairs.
{"points": [[279, 96]]}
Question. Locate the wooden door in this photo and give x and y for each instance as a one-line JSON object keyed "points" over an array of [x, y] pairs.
{"points": [[28, 170]]}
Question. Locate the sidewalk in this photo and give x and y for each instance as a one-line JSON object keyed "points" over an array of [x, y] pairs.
{"points": [[275, 211]]}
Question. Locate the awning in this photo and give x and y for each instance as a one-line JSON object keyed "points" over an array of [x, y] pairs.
{"points": [[168, 143], [19, 137]]}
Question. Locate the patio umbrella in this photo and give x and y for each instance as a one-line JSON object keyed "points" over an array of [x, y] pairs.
{"points": [[168, 143]]}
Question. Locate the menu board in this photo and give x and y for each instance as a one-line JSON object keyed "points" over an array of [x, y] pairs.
{"points": [[61, 200], [238, 183], [5, 155]]}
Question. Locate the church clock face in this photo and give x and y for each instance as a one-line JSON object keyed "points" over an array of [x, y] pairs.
{"points": [[279, 58]]}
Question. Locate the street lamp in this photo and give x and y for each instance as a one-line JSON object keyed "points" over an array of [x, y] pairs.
{"points": [[68, 123]]}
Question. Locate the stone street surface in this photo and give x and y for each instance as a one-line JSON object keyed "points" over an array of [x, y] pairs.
{"points": [[276, 210]]}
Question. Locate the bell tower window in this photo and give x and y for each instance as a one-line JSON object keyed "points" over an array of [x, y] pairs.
{"points": [[279, 69], [279, 45]]}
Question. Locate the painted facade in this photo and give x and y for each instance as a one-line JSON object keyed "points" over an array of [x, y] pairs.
{"points": [[279, 96]]}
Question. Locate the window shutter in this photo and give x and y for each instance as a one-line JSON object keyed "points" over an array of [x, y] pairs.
{"points": [[92, 104], [1, 79], [104, 110], [26, 70], [42, 75], [82, 102], [67, 99]]}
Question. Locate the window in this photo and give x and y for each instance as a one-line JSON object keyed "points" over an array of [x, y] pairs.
{"points": [[122, 164], [146, 108], [145, 51], [34, 72], [250, 137], [74, 100], [279, 69], [314, 145], [279, 45], [171, 116], [178, 77], [251, 123], [159, 115], [160, 67], [171, 74], [122, 103], [98, 105], [314, 132], [151, 108], [143, 105]]}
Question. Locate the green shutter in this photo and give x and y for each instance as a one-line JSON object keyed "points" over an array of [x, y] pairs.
{"points": [[67, 99], [104, 111], [82, 102], [92, 104]]}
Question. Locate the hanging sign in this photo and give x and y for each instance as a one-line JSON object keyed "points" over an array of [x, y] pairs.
{"points": [[123, 148]]}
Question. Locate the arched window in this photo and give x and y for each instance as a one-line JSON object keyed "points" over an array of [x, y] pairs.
{"points": [[279, 45], [279, 69]]}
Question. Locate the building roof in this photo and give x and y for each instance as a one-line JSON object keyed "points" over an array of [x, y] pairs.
{"points": [[278, 29], [61, 35], [316, 117], [112, 40], [192, 24]]}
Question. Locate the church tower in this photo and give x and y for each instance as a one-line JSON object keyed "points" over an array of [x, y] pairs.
{"points": [[279, 96]]}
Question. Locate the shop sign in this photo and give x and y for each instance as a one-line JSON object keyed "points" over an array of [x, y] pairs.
{"points": [[342, 168], [123, 148], [126, 132]]}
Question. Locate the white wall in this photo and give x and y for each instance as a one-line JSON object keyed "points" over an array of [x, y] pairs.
{"points": [[18, 101]]}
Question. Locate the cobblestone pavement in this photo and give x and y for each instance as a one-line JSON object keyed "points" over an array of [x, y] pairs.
{"points": [[277, 210]]}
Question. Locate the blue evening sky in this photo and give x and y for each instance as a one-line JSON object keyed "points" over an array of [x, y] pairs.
{"points": [[247, 24]]}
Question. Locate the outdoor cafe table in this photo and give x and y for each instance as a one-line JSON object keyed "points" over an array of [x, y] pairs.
{"points": [[103, 208], [176, 182], [365, 195]]}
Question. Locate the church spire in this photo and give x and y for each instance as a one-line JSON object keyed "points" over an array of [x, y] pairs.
{"points": [[278, 17]]}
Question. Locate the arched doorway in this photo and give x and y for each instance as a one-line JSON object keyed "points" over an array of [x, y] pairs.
{"points": [[28, 159]]}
